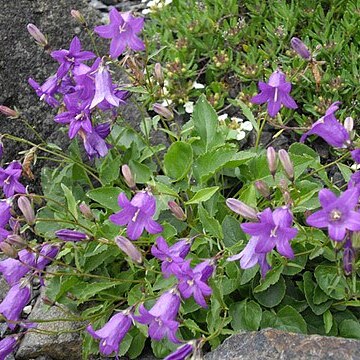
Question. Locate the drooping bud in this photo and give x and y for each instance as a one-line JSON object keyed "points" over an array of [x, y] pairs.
{"points": [[349, 125], [271, 159], [37, 35], [242, 209], [8, 250], [177, 211], [16, 240], [263, 188], [163, 111], [287, 164], [86, 211], [76, 14], [128, 177], [159, 75], [13, 114], [300, 48], [27, 209], [129, 249], [71, 235]]}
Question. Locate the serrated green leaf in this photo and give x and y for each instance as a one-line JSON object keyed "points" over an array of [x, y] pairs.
{"points": [[106, 196], [210, 224], [246, 315], [273, 295], [178, 160], [289, 319], [272, 277], [331, 282], [203, 195], [71, 202]]}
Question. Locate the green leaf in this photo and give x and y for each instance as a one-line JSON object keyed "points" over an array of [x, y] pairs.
{"points": [[331, 282], [137, 346], [142, 174], [125, 344], [109, 169], [232, 231], [246, 315], [93, 289], [192, 326], [346, 172], [272, 277], [70, 200], [106, 196], [289, 319], [350, 329], [248, 114], [203, 195], [178, 160], [328, 321], [273, 295], [206, 123], [210, 224]]}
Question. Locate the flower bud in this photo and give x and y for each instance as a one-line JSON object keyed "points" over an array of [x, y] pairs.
{"points": [[86, 211], [242, 209], [16, 240], [8, 250], [128, 177], [71, 235], [271, 159], [349, 124], [37, 35], [177, 211], [263, 188], [26, 209], [76, 14], [13, 114], [300, 48], [287, 164], [129, 249], [159, 75], [348, 257], [163, 111]]}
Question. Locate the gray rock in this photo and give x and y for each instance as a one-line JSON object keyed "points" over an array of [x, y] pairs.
{"points": [[271, 344], [64, 343]]}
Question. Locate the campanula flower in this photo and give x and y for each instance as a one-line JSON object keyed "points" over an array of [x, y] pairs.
{"points": [[329, 128], [94, 142], [354, 181], [300, 48], [112, 333], [71, 235], [9, 179], [161, 318], [355, 154], [172, 256], [275, 93], [8, 345], [123, 30], [71, 58], [338, 213], [182, 352], [15, 301], [47, 90], [137, 214], [5, 214], [129, 249]]}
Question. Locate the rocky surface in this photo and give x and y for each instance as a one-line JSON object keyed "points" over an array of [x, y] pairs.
{"points": [[271, 344]]}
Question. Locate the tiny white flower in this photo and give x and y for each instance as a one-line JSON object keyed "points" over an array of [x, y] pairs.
{"points": [[355, 166], [197, 85], [146, 11], [223, 117], [236, 119], [240, 135], [189, 107], [167, 2], [166, 102], [247, 125]]}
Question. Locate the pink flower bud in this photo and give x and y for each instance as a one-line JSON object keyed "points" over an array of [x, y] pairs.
{"points": [[8, 250], [242, 209], [263, 188], [128, 177], [86, 211], [129, 249], [177, 211], [76, 14], [163, 111], [300, 48], [37, 35], [271, 159], [159, 75], [26, 209], [9, 112], [287, 164]]}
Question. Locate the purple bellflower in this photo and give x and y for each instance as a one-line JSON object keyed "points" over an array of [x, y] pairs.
{"points": [[112, 333], [355, 154], [47, 90], [182, 352], [348, 257], [71, 58], [71, 235], [338, 213], [329, 128], [8, 345], [249, 257], [123, 30], [137, 214], [192, 282], [171, 256], [47, 253], [276, 92], [162, 316], [354, 181], [77, 115], [9, 179], [94, 142], [5, 214], [14, 302]]}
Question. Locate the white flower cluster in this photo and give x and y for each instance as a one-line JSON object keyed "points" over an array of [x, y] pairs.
{"points": [[154, 5], [238, 126]]}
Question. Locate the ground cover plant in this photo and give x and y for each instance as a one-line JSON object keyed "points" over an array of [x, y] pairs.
{"points": [[177, 244]]}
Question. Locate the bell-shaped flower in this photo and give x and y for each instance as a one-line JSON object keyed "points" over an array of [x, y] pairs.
{"points": [[112, 333], [182, 352], [5, 214], [9, 179], [15, 301], [338, 214], [47, 90], [94, 142], [354, 181], [8, 345], [275, 93], [329, 128], [71, 235], [71, 58], [355, 154], [161, 318], [172, 257], [123, 30], [137, 214]]}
